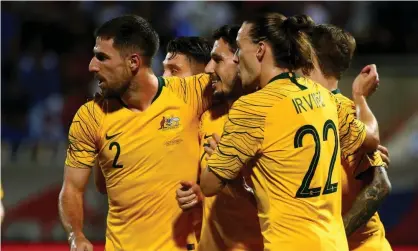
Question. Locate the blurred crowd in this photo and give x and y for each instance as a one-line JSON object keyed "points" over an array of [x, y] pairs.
{"points": [[46, 48]]}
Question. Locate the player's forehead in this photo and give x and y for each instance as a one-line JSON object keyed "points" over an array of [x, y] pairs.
{"points": [[243, 33], [220, 48], [178, 59], [104, 46]]}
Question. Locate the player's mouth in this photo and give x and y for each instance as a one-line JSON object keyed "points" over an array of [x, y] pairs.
{"points": [[215, 81], [100, 81]]}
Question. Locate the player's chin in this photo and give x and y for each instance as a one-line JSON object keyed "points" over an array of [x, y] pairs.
{"points": [[217, 97]]}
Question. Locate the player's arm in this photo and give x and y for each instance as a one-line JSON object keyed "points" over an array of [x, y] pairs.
{"points": [[240, 142], [368, 200], [195, 90], [363, 86], [71, 200], [81, 155]]}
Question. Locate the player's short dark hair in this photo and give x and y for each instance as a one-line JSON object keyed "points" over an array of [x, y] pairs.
{"points": [[334, 47], [131, 32], [229, 34], [291, 45], [194, 48]]}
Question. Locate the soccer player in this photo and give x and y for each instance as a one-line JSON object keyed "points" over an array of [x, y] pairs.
{"points": [[365, 183], [230, 219], [288, 129], [186, 56], [137, 130]]}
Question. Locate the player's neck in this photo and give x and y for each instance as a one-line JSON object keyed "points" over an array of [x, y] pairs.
{"points": [[330, 83], [269, 74], [141, 91]]}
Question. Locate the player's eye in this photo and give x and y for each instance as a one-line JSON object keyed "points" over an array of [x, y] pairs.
{"points": [[101, 56]]}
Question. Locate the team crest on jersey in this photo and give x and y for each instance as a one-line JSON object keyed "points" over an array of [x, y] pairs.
{"points": [[170, 122]]}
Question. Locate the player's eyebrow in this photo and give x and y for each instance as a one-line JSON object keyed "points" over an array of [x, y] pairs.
{"points": [[98, 53], [216, 56], [170, 65]]}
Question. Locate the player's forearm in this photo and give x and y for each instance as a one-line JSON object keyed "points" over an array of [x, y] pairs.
{"points": [[368, 201], [210, 183], [71, 212], [365, 115]]}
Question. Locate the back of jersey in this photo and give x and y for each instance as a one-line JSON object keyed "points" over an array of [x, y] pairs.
{"points": [[290, 129], [299, 169]]}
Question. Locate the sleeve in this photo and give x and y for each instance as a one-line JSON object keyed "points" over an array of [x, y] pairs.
{"points": [[368, 160], [82, 137], [195, 91], [351, 130], [241, 140]]}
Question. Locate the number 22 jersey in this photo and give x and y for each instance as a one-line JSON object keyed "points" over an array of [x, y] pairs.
{"points": [[290, 129]]}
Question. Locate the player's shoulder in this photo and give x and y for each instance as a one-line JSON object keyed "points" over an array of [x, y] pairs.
{"points": [[342, 98], [195, 79], [254, 104], [98, 106]]}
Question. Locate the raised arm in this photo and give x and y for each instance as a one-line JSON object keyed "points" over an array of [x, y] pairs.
{"points": [[195, 90], [365, 85]]}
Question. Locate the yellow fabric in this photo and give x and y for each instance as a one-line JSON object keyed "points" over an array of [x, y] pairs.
{"points": [[372, 235], [230, 221], [143, 156], [268, 127]]}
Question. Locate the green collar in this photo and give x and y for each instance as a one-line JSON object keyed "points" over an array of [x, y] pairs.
{"points": [[161, 83], [289, 75], [336, 91]]}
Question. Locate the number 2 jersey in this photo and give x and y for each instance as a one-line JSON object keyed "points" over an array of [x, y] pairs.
{"points": [[143, 156], [290, 129]]}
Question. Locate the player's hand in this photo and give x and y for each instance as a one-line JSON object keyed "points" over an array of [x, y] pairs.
{"points": [[367, 82], [213, 143], [80, 243], [384, 153], [188, 195]]}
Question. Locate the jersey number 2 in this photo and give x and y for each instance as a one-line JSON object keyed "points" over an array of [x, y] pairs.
{"points": [[304, 191], [115, 160]]}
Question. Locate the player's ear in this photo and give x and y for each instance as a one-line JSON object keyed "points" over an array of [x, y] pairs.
{"points": [[134, 62], [261, 50]]}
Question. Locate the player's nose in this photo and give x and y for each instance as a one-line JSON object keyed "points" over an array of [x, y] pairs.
{"points": [[210, 67], [93, 67]]}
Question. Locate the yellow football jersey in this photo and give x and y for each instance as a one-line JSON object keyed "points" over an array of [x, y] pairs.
{"points": [[230, 221], [143, 156], [372, 235], [290, 129]]}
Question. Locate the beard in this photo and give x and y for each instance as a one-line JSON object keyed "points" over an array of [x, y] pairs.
{"points": [[115, 92]]}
